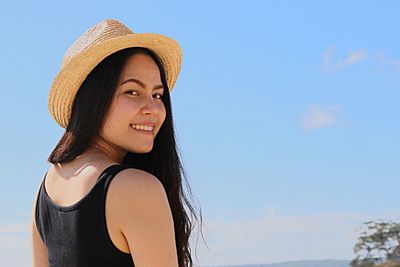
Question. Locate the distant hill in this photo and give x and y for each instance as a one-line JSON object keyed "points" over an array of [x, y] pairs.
{"points": [[303, 263]]}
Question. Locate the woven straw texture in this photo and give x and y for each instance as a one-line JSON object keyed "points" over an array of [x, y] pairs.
{"points": [[100, 41]]}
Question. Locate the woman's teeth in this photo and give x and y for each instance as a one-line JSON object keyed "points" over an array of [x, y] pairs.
{"points": [[142, 127]]}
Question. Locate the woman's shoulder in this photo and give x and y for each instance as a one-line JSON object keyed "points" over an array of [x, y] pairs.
{"points": [[132, 180], [134, 193]]}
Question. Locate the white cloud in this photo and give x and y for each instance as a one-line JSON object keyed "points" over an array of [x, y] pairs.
{"points": [[275, 237], [382, 57], [320, 116], [14, 228], [268, 237], [15, 249], [351, 58], [327, 56]]}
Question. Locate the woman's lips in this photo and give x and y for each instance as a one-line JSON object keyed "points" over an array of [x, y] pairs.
{"points": [[143, 131]]}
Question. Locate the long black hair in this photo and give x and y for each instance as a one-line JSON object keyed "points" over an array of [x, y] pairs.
{"points": [[88, 111]]}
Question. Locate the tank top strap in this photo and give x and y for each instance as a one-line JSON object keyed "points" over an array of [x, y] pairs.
{"points": [[97, 206], [111, 171], [104, 182]]}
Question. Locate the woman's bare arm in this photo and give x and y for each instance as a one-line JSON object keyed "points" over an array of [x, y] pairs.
{"points": [[145, 218]]}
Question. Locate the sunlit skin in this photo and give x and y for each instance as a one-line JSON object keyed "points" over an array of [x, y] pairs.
{"points": [[131, 103]]}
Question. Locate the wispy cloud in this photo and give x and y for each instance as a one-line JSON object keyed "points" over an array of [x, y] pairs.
{"points": [[15, 247], [14, 228], [351, 58], [327, 56], [270, 236], [383, 58], [276, 237], [320, 116]]}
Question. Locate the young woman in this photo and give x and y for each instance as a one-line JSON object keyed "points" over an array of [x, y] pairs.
{"points": [[113, 194]]}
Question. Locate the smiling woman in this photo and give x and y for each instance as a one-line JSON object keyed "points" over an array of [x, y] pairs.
{"points": [[113, 194], [144, 108]]}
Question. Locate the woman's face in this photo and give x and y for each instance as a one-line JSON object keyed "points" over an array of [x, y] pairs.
{"points": [[134, 102]]}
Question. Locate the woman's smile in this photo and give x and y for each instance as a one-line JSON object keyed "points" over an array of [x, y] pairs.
{"points": [[150, 133]]}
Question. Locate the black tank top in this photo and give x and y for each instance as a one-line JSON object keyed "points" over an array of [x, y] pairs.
{"points": [[76, 235]]}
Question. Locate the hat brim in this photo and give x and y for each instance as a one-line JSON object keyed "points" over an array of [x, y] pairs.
{"points": [[71, 75]]}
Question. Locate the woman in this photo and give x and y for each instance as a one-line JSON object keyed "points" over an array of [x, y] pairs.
{"points": [[113, 195]]}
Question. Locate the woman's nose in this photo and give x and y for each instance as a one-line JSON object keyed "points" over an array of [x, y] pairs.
{"points": [[150, 104]]}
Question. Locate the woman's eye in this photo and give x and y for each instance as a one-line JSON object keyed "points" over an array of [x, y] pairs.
{"points": [[130, 91], [160, 95]]}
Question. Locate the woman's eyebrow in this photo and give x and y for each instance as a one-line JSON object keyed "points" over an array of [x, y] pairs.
{"points": [[140, 83]]}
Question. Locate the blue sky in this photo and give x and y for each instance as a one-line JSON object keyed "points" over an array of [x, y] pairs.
{"points": [[286, 115]]}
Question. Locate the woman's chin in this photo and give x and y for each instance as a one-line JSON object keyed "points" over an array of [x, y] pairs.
{"points": [[142, 150]]}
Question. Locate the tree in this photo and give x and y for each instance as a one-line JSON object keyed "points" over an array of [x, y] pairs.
{"points": [[378, 245]]}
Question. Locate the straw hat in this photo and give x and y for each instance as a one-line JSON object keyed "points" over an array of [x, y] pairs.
{"points": [[100, 41]]}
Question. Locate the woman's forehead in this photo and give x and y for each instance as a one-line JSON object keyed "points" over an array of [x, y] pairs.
{"points": [[140, 67]]}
